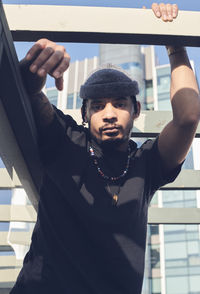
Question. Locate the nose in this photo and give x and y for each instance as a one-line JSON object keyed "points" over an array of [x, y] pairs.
{"points": [[109, 113]]}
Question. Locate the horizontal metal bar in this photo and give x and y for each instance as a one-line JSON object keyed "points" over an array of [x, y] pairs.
{"points": [[10, 261], [8, 276], [151, 123], [148, 125], [6, 182], [84, 24], [22, 238], [156, 215], [174, 215], [187, 180], [17, 213]]}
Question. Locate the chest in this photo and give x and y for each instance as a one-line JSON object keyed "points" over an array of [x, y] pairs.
{"points": [[91, 196], [114, 202]]}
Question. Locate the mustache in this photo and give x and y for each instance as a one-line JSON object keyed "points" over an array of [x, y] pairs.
{"points": [[110, 126]]}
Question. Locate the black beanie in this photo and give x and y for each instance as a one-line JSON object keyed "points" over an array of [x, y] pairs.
{"points": [[108, 83]]}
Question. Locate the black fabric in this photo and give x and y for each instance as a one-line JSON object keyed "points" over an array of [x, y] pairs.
{"points": [[108, 82], [82, 243]]}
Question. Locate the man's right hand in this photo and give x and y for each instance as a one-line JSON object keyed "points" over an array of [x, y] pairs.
{"points": [[48, 58], [167, 12]]}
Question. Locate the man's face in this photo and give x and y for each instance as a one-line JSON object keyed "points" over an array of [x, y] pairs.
{"points": [[111, 119]]}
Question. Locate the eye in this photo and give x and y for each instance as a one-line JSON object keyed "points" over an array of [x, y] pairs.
{"points": [[97, 107], [120, 104]]}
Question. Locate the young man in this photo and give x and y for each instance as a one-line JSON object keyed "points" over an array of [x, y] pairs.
{"points": [[91, 228]]}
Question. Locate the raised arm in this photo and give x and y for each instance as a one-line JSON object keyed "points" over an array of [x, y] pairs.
{"points": [[45, 57], [176, 138]]}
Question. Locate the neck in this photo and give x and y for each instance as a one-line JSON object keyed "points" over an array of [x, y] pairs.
{"points": [[115, 145], [122, 147]]}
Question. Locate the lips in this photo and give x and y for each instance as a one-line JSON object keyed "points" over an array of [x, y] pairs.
{"points": [[111, 131]]}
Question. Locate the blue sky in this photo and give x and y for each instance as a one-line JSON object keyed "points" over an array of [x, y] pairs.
{"points": [[183, 4], [80, 51]]}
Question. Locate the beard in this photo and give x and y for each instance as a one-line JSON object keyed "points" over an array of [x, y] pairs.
{"points": [[113, 143], [110, 144]]}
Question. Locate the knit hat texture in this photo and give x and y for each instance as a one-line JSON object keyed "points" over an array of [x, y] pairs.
{"points": [[108, 83]]}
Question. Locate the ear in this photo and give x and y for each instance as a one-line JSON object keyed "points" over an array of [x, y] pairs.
{"points": [[136, 115], [138, 109], [84, 114], [86, 118]]}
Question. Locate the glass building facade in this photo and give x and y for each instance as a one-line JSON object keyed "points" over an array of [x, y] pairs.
{"points": [[181, 255]]}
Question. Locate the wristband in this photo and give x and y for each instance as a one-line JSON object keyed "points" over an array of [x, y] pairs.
{"points": [[174, 50]]}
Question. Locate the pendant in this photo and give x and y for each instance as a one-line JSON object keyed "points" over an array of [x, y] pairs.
{"points": [[115, 199]]}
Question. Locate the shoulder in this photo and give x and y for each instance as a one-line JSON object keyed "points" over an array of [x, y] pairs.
{"points": [[146, 148], [67, 122]]}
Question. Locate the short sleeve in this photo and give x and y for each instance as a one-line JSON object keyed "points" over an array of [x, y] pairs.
{"points": [[156, 175], [58, 136]]}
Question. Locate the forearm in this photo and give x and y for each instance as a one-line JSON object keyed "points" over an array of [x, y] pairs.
{"points": [[32, 81], [184, 90], [42, 110]]}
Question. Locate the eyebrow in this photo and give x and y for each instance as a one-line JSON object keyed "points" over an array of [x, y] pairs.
{"points": [[121, 98], [96, 101], [115, 99]]}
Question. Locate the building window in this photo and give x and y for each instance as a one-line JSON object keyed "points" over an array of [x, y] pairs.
{"points": [[177, 285], [154, 200], [1, 163], [78, 101], [52, 95], [129, 65], [154, 229], [155, 256], [156, 286], [5, 196], [149, 88], [70, 100], [163, 83], [4, 226]]}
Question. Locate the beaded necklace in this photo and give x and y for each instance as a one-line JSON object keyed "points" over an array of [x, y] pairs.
{"points": [[108, 178]]}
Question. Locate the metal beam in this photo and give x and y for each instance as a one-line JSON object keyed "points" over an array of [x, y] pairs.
{"points": [[23, 238], [101, 25], [14, 161], [6, 182], [8, 277], [10, 261], [186, 180], [151, 123], [18, 146], [174, 215], [148, 125], [156, 216], [17, 213]]}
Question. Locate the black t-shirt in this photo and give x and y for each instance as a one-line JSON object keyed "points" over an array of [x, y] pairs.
{"points": [[82, 243]]}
